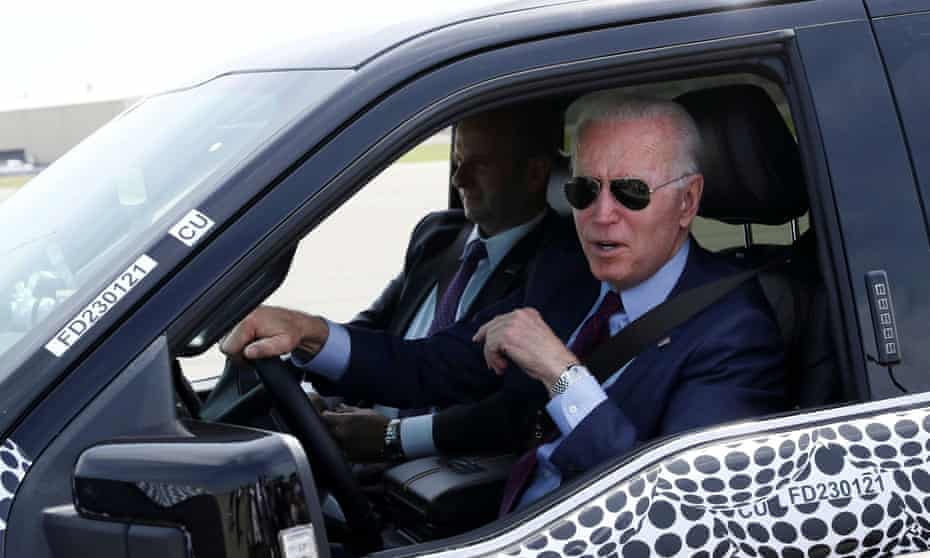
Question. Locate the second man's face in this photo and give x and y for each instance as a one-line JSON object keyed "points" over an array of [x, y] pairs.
{"points": [[493, 192]]}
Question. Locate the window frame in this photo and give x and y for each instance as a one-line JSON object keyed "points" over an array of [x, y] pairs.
{"points": [[683, 60]]}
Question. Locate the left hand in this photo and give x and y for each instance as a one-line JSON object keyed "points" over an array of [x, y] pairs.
{"points": [[523, 337], [360, 432], [270, 331]]}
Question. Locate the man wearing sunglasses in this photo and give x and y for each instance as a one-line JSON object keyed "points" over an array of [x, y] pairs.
{"points": [[635, 192]]}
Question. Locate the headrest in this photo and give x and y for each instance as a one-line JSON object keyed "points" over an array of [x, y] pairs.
{"points": [[751, 163], [559, 173]]}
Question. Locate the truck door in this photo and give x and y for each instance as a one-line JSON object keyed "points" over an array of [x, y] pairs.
{"points": [[879, 207]]}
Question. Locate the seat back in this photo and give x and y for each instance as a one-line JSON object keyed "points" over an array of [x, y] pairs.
{"points": [[753, 175]]}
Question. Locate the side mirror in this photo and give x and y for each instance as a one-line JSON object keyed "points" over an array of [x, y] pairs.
{"points": [[234, 492]]}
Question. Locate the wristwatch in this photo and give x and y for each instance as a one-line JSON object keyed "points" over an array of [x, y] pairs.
{"points": [[393, 450], [572, 373]]}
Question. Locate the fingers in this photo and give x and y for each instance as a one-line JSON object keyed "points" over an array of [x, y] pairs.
{"points": [[491, 334], [269, 347], [482, 332], [342, 408], [336, 424], [522, 338], [269, 332], [318, 402], [495, 355], [237, 339]]}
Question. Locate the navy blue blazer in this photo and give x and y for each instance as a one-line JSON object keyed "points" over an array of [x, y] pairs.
{"points": [[432, 257], [725, 363]]}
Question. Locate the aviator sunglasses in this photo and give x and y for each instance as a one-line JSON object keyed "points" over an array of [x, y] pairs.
{"points": [[633, 193]]}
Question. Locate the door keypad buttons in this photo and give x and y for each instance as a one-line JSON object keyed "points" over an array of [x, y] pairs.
{"points": [[883, 321]]}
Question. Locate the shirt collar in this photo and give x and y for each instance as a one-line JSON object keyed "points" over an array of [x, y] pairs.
{"points": [[653, 291], [500, 244]]}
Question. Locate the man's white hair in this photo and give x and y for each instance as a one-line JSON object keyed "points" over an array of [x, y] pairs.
{"points": [[613, 108]]}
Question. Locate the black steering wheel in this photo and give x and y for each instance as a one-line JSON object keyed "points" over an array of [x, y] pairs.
{"points": [[282, 381]]}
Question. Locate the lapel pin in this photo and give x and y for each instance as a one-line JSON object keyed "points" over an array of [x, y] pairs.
{"points": [[664, 342]]}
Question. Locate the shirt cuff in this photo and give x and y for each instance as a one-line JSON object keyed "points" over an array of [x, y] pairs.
{"points": [[333, 359], [571, 407], [416, 436]]}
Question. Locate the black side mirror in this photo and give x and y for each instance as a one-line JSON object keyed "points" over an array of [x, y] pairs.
{"points": [[234, 492]]}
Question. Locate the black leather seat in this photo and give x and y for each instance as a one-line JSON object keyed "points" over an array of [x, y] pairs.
{"points": [[753, 175]]}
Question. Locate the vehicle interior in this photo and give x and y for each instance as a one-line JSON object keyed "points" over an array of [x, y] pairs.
{"points": [[756, 210]]}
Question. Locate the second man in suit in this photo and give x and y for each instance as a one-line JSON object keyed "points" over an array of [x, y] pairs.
{"points": [[459, 262]]}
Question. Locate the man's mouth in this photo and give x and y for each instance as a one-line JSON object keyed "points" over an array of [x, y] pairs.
{"points": [[605, 246]]}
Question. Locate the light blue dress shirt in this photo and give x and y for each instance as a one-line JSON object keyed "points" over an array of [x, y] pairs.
{"points": [[416, 433], [582, 397]]}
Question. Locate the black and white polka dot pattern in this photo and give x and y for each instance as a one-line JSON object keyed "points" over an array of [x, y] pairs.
{"points": [[859, 488], [13, 467]]}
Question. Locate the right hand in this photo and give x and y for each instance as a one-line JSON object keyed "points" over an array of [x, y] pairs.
{"points": [[360, 432], [270, 331], [318, 402], [522, 336]]}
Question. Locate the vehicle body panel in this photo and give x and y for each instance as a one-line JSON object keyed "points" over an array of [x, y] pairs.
{"points": [[874, 190], [882, 8]]}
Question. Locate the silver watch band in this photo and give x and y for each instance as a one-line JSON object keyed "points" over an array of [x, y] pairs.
{"points": [[393, 449], [571, 375]]}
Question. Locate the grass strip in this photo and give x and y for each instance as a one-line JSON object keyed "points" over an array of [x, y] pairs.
{"points": [[14, 181], [426, 153]]}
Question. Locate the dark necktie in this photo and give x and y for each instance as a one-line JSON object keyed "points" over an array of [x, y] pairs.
{"points": [[594, 331], [448, 305]]}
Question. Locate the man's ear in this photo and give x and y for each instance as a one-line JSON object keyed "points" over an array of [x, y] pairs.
{"points": [[691, 200]]}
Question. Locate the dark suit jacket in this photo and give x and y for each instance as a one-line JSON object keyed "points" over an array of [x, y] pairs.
{"points": [[433, 256], [726, 363], [433, 253]]}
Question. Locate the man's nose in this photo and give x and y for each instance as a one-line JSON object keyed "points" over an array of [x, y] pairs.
{"points": [[605, 208]]}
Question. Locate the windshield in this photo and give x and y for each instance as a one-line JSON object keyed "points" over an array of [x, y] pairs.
{"points": [[69, 230]]}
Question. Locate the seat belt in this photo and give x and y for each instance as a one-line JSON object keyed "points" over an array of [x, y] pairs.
{"points": [[616, 352]]}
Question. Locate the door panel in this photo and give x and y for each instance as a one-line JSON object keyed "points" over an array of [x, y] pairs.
{"points": [[905, 46], [880, 8], [852, 480], [873, 190]]}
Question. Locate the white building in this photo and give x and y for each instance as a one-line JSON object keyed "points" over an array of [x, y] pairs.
{"points": [[47, 132]]}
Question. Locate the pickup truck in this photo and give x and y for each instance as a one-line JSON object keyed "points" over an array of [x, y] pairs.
{"points": [[192, 203]]}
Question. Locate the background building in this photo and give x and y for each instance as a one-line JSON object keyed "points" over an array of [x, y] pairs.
{"points": [[46, 133]]}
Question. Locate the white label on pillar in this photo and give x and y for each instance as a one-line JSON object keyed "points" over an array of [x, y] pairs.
{"points": [[192, 227], [105, 301]]}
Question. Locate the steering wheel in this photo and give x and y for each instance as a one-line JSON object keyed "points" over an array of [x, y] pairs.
{"points": [[282, 381]]}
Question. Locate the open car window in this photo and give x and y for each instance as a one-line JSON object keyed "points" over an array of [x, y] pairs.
{"points": [[336, 271]]}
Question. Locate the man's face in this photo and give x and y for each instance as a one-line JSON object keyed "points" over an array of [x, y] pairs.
{"points": [[496, 189], [625, 247]]}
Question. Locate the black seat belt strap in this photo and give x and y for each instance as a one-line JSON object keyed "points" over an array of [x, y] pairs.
{"points": [[649, 328]]}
